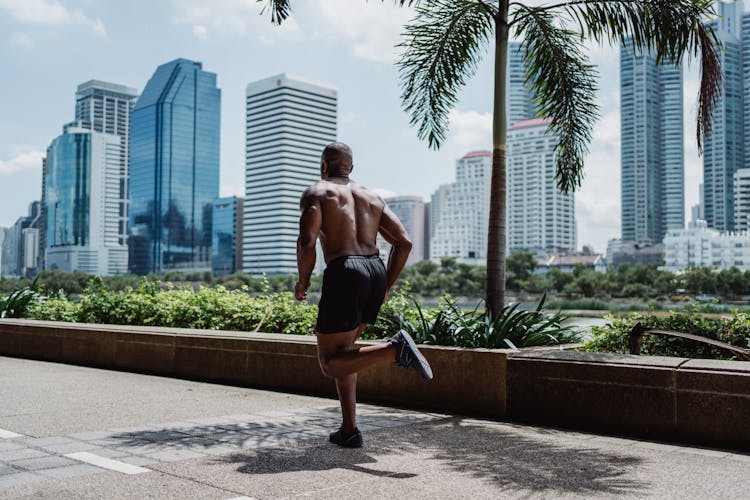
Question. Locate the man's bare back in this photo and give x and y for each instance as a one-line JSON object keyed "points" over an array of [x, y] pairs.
{"points": [[351, 216]]}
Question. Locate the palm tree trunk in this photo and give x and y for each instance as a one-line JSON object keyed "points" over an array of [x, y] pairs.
{"points": [[495, 285]]}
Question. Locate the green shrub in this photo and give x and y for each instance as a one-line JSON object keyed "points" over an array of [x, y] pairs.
{"points": [[734, 330], [449, 325]]}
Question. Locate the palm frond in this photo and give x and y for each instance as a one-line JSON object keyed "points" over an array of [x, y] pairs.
{"points": [[564, 90], [279, 9], [442, 48], [670, 29]]}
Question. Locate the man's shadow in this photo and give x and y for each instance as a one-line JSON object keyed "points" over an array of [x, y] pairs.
{"points": [[499, 455]]}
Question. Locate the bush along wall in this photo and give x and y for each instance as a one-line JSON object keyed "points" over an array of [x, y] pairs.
{"points": [[151, 304], [732, 329]]}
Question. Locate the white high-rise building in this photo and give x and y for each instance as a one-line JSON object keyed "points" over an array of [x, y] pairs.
{"points": [[461, 211], [541, 218], [289, 121], [410, 210], [700, 246], [107, 107], [83, 202]]}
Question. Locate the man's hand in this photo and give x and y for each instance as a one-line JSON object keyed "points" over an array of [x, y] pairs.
{"points": [[300, 291], [385, 297]]}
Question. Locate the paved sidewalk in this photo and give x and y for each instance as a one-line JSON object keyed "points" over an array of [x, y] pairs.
{"points": [[73, 432]]}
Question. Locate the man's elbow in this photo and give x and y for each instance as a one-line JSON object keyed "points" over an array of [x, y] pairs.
{"points": [[306, 244], [404, 245]]}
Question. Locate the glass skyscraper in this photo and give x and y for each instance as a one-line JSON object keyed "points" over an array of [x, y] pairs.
{"points": [[289, 122], [83, 202], [174, 169], [652, 150], [724, 149], [227, 235]]}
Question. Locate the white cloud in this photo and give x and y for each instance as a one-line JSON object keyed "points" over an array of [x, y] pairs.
{"points": [[28, 161], [21, 40], [233, 17], [370, 29], [200, 32], [470, 129], [49, 12]]}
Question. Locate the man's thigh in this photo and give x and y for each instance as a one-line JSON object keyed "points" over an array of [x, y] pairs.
{"points": [[332, 343]]}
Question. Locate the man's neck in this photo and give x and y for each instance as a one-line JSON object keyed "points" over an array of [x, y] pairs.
{"points": [[337, 178]]}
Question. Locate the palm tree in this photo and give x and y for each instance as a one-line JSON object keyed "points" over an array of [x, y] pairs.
{"points": [[444, 44]]}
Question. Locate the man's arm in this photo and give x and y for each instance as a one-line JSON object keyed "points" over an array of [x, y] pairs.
{"points": [[394, 233], [309, 228]]}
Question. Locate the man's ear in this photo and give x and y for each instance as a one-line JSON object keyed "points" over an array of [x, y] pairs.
{"points": [[323, 167]]}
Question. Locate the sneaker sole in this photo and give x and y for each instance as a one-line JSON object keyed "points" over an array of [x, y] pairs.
{"points": [[424, 367]]}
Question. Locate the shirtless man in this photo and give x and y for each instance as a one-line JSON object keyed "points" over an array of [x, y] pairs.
{"points": [[347, 217]]}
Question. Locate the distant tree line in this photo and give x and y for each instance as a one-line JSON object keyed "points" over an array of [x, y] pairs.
{"points": [[430, 279]]}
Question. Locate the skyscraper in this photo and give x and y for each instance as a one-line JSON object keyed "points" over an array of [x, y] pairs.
{"points": [[520, 105], [532, 191], [19, 257], [461, 211], [107, 107], [724, 151], [652, 151], [174, 169], [411, 211], [541, 218], [83, 203], [289, 122], [226, 242]]}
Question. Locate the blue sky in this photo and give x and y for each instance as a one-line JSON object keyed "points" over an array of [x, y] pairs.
{"points": [[48, 47]]}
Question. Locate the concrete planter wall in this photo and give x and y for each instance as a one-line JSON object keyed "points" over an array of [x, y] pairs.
{"points": [[688, 400], [467, 381], [695, 401]]}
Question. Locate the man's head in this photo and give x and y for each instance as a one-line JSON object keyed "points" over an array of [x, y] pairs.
{"points": [[336, 160]]}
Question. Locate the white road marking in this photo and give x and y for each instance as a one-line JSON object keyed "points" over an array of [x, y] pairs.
{"points": [[8, 434], [107, 463]]}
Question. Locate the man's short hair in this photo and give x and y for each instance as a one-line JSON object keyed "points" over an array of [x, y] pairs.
{"points": [[338, 157]]}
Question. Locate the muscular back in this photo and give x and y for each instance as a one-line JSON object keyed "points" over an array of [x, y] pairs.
{"points": [[347, 214]]}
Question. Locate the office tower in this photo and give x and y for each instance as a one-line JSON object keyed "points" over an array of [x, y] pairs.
{"points": [[462, 209], [723, 150], [520, 105], [226, 242], [19, 259], [652, 151], [289, 122], [174, 169], [541, 218], [411, 211], [101, 107], [83, 201], [742, 199], [107, 107]]}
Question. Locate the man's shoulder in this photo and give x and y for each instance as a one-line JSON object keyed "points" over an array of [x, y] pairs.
{"points": [[315, 190]]}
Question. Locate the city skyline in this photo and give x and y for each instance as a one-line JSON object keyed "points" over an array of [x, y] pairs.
{"points": [[227, 33]]}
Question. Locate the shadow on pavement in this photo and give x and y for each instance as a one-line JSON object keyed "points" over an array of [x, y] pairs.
{"points": [[504, 458]]}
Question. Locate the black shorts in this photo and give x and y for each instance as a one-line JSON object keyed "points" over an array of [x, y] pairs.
{"points": [[353, 291]]}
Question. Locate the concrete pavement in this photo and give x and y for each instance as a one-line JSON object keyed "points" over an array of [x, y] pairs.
{"points": [[74, 432]]}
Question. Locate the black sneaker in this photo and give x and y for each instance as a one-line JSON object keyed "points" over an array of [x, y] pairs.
{"points": [[408, 356], [354, 440]]}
